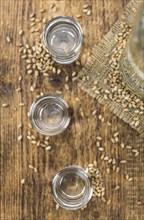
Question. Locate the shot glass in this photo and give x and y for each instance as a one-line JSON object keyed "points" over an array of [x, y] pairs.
{"points": [[63, 38], [71, 188], [50, 115]]}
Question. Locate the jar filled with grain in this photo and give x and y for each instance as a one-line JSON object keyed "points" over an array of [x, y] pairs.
{"points": [[132, 60]]}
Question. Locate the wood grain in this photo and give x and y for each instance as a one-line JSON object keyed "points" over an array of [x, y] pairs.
{"points": [[77, 145]]}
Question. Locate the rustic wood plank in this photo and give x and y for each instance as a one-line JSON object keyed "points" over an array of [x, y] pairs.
{"points": [[77, 145]]}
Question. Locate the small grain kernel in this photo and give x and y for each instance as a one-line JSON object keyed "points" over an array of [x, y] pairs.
{"points": [[106, 158], [42, 145], [137, 123], [42, 10], [32, 15], [134, 9], [95, 163], [18, 89], [116, 139], [33, 142], [100, 117], [137, 153], [48, 148], [77, 99], [108, 123], [78, 63], [35, 169], [74, 74], [97, 91], [21, 104], [4, 105], [101, 149], [113, 161], [20, 137], [32, 19], [44, 20], [38, 143], [110, 160], [123, 161], [8, 39], [29, 71], [127, 176], [85, 10], [74, 79], [108, 170], [90, 165], [67, 78], [54, 70], [66, 86], [122, 145], [31, 88], [45, 74], [99, 138], [28, 61], [130, 179], [102, 120], [98, 144], [20, 78], [114, 167], [20, 125], [85, 6], [103, 199], [31, 167], [28, 137], [78, 16], [57, 206], [22, 181], [116, 134], [58, 71], [33, 137], [107, 55], [129, 147], [94, 112], [59, 92], [108, 202], [46, 142], [134, 150], [47, 138], [117, 188], [89, 12], [112, 140], [21, 32], [117, 169]]}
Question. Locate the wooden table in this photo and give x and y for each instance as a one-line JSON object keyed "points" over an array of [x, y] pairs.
{"points": [[77, 145]]}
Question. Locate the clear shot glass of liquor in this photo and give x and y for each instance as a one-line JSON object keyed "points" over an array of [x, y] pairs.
{"points": [[71, 188], [50, 115], [63, 38]]}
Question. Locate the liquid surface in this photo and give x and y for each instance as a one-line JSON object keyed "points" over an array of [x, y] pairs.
{"points": [[72, 184], [51, 115], [63, 38]]}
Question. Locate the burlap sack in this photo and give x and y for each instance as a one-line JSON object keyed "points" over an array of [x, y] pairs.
{"points": [[94, 78]]}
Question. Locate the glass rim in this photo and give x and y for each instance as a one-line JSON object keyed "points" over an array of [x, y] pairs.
{"points": [[32, 110], [68, 20], [62, 203]]}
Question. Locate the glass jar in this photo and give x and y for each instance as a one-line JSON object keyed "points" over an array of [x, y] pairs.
{"points": [[132, 60], [50, 115], [63, 38], [72, 188]]}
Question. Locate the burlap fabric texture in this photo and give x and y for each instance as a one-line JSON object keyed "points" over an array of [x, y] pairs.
{"points": [[101, 77]]}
